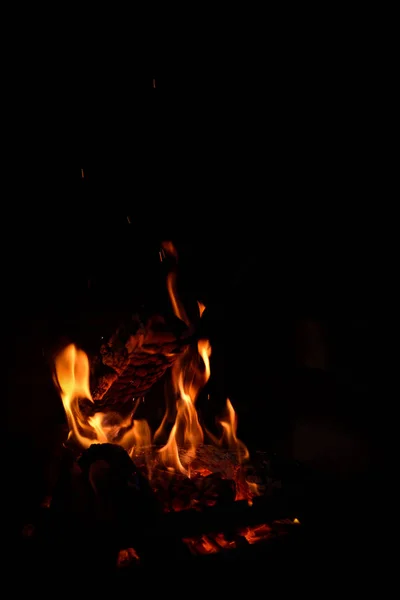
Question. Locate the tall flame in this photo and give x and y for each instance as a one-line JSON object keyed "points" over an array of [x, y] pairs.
{"points": [[187, 434], [72, 378], [202, 308], [229, 425], [178, 308]]}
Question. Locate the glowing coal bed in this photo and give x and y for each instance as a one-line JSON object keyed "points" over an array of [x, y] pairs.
{"points": [[214, 476], [216, 479]]}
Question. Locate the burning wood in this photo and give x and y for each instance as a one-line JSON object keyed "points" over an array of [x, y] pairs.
{"points": [[134, 358], [185, 472], [128, 493]]}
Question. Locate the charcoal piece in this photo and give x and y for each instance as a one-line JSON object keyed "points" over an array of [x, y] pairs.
{"points": [[121, 494]]}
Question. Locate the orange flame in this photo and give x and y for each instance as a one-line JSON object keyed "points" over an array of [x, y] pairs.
{"points": [[229, 432], [190, 373], [229, 437], [72, 379], [178, 308], [187, 434], [202, 308]]}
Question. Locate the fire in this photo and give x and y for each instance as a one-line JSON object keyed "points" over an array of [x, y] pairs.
{"points": [[229, 437], [169, 249], [189, 374], [188, 379], [205, 353], [72, 378], [229, 425], [202, 308]]}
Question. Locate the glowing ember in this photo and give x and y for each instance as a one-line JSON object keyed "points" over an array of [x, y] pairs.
{"points": [[216, 542], [201, 545], [72, 378], [222, 541], [179, 310], [126, 557], [258, 533]]}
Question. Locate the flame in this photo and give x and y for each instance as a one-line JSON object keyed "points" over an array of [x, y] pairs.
{"points": [[180, 454], [229, 437], [169, 248], [177, 306], [190, 373], [202, 308], [188, 379], [204, 349], [201, 545], [229, 432], [72, 379]]}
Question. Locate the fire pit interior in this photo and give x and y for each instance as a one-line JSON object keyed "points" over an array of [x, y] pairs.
{"points": [[156, 426]]}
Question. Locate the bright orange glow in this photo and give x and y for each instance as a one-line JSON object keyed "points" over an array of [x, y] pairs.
{"points": [[177, 306], [201, 545], [229, 437], [229, 425], [72, 378], [189, 374], [188, 379]]}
